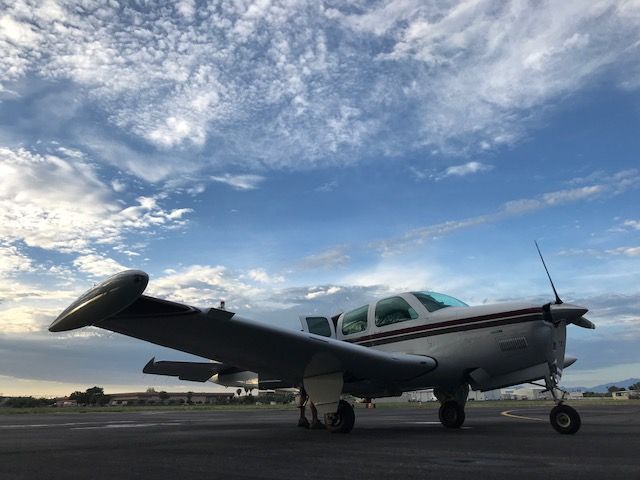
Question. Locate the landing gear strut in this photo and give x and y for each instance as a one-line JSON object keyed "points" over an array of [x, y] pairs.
{"points": [[564, 419], [343, 420]]}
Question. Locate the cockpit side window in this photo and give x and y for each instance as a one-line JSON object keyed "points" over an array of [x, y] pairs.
{"points": [[394, 310], [355, 321]]}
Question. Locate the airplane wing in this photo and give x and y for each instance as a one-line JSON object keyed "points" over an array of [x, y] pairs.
{"points": [[118, 305]]}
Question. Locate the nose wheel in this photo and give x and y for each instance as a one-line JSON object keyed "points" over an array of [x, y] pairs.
{"points": [[565, 419]]}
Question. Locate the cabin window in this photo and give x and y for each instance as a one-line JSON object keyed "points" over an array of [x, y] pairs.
{"points": [[394, 310], [355, 321], [435, 301]]}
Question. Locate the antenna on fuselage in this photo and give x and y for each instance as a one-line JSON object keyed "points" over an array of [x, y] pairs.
{"points": [[558, 301]]}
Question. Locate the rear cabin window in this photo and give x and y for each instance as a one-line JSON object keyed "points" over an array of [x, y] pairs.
{"points": [[394, 310], [355, 321], [319, 326]]}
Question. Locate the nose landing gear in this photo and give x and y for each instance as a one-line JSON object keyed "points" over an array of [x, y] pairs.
{"points": [[564, 419]]}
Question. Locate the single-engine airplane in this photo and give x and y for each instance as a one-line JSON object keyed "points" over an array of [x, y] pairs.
{"points": [[402, 343]]}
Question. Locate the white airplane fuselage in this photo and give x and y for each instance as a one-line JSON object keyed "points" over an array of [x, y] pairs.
{"points": [[488, 346], [503, 342]]}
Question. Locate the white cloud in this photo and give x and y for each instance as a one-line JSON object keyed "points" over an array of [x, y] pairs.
{"points": [[118, 186], [466, 169], [25, 319], [628, 251], [261, 276], [632, 224], [485, 66], [609, 185], [187, 8], [333, 257], [13, 260], [205, 285], [321, 292], [239, 182], [98, 265], [54, 203], [327, 186], [280, 84]]}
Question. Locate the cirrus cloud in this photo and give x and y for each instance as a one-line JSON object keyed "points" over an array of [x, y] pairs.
{"points": [[280, 84]]}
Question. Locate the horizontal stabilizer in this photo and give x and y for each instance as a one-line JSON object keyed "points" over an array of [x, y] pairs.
{"points": [[192, 371]]}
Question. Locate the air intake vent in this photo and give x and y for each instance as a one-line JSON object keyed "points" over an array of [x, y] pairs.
{"points": [[511, 344]]}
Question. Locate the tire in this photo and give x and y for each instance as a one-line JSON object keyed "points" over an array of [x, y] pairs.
{"points": [[565, 419], [451, 414], [344, 419]]}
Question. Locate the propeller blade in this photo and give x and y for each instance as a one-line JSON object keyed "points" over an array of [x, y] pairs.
{"points": [[568, 361], [584, 323], [553, 287]]}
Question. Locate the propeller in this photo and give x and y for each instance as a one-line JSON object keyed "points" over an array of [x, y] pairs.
{"points": [[560, 311]]}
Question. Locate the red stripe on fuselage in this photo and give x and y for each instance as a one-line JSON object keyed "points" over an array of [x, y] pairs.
{"points": [[449, 323]]}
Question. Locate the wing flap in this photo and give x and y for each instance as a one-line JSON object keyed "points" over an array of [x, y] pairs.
{"points": [[192, 371]]}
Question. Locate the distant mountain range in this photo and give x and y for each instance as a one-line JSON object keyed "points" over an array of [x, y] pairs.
{"points": [[603, 388]]}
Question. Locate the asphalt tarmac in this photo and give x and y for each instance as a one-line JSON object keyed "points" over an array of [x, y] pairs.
{"points": [[385, 443]]}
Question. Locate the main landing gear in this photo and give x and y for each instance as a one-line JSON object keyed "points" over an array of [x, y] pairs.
{"points": [[451, 412], [564, 419], [343, 420]]}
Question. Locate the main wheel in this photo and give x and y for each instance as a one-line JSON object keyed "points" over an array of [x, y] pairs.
{"points": [[564, 419], [343, 420], [451, 414]]}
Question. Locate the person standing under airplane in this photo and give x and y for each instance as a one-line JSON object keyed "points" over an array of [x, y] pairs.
{"points": [[302, 400]]}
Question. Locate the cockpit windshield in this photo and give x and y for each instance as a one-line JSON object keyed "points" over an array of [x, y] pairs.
{"points": [[435, 301]]}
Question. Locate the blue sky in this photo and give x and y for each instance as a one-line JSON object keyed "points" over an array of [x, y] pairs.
{"points": [[309, 157]]}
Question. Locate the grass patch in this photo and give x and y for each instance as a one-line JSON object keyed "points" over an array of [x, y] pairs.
{"points": [[511, 404], [141, 408]]}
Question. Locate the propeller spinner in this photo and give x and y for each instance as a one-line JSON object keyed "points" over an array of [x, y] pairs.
{"points": [[560, 311]]}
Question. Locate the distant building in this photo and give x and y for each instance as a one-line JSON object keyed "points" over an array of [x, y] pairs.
{"points": [[65, 402], [625, 394], [153, 398], [523, 393], [421, 396], [405, 397]]}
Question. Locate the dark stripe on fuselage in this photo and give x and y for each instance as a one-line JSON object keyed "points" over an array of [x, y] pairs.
{"points": [[460, 325]]}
